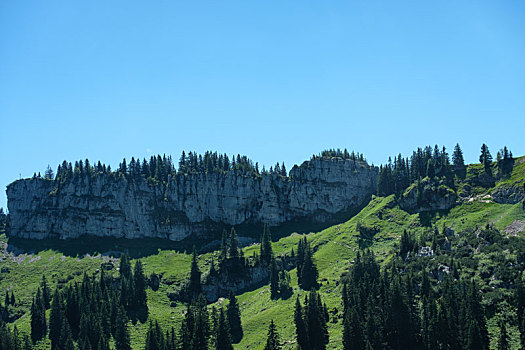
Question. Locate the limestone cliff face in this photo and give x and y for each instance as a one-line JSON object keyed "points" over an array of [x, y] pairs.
{"points": [[111, 204]]}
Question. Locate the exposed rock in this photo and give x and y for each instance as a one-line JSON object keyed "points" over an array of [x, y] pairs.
{"points": [[511, 194], [113, 205], [427, 195]]}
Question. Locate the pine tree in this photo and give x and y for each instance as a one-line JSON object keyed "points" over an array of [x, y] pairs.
{"points": [[234, 318], [309, 271], [194, 287], [234, 245], [154, 337], [300, 327], [485, 158], [122, 338], [503, 338], [139, 281], [266, 245], [56, 318], [272, 341], [223, 338], [125, 266], [352, 333], [46, 294], [201, 330], [38, 318]]}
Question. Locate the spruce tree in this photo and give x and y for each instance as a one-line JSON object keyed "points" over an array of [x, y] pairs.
{"points": [[266, 245], [234, 318], [234, 245], [300, 326], [194, 287], [56, 318], [272, 341], [503, 338], [38, 318], [122, 339], [46, 294], [223, 338], [139, 281], [485, 158], [125, 266], [309, 271]]}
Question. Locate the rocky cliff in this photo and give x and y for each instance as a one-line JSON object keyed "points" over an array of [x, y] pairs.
{"points": [[112, 204]]}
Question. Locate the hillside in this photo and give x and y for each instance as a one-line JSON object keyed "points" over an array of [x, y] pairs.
{"points": [[484, 232]]}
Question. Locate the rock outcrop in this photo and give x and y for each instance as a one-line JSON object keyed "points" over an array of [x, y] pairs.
{"points": [[428, 195], [509, 194], [114, 205]]}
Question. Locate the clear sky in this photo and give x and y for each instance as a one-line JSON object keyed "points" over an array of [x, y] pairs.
{"points": [[275, 80]]}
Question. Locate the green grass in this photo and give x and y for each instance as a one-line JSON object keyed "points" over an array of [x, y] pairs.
{"points": [[335, 248]]}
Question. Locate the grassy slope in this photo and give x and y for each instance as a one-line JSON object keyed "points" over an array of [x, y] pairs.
{"points": [[335, 248]]}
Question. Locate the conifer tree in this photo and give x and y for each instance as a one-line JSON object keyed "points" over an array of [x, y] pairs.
{"points": [[122, 339], [503, 338], [139, 281], [309, 271], [457, 160], [46, 294], [234, 245], [38, 318], [266, 245], [223, 338], [125, 266], [272, 341], [485, 158], [300, 326], [234, 319], [194, 287], [56, 318], [154, 337]]}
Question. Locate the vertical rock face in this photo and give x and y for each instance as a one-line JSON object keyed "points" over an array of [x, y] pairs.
{"points": [[111, 204]]}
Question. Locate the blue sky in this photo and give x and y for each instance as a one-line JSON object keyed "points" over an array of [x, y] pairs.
{"points": [[275, 80]]}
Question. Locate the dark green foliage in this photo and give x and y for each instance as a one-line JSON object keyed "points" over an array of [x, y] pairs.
{"points": [[310, 323], [266, 245], [387, 310], [306, 270], [458, 162], [234, 319], [274, 279], [46, 294], [300, 326], [338, 153], [272, 341], [154, 337], [125, 266], [121, 334], [223, 338], [485, 158], [194, 285], [38, 318], [397, 175], [505, 162], [233, 246], [503, 338], [56, 318], [140, 299]]}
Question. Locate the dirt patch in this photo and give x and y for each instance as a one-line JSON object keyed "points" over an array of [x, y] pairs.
{"points": [[516, 227]]}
